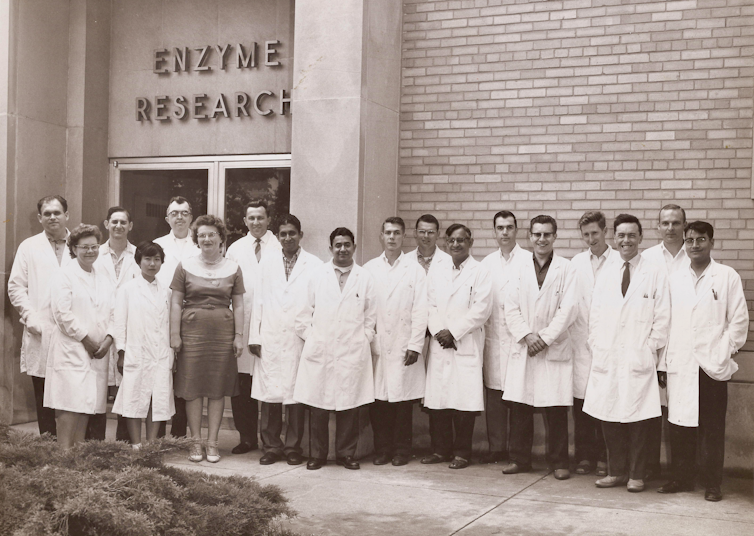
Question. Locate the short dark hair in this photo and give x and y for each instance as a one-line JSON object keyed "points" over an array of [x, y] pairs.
{"points": [[209, 220], [544, 219], [593, 217], [113, 210], [701, 227], [148, 249], [672, 207], [395, 220], [342, 231], [82, 230], [453, 228], [180, 200], [627, 218], [428, 218], [49, 199], [257, 204], [288, 219], [504, 214]]}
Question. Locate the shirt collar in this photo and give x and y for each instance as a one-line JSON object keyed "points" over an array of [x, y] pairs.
{"points": [[175, 238], [262, 239], [295, 255], [635, 261], [428, 257], [397, 261], [58, 240], [130, 248], [344, 270], [681, 252], [515, 250], [461, 266], [547, 262], [605, 254]]}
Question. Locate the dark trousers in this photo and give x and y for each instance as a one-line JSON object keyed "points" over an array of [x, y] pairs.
{"points": [[588, 440], [392, 426], [627, 447], [346, 432], [245, 411], [96, 427], [713, 403], [442, 425], [45, 416], [272, 427], [654, 442], [496, 414], [178, 423], [522, 435]]}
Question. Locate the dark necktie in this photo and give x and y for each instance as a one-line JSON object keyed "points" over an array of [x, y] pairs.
{"points": [[258, 249], [626, 278]]}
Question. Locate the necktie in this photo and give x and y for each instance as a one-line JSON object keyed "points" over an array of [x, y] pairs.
{"points": [[626, 278], [258, 249]]}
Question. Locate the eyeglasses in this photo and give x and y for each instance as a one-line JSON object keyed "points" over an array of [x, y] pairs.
{"points": [[538, 236], [426, 233], [459, 241], [208, 235], [175, 213], [89, 248], [700, 241]]}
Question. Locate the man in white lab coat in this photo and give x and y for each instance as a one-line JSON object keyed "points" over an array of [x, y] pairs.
{"points": [[37, 260], [248, 252], [399, 372], [335, 372], [540, 306], [588, 440], [178, 246], [427, 254], [498, 339], [460, 300], [670, 256], [628, 324], [710, 322], [281, 284]]}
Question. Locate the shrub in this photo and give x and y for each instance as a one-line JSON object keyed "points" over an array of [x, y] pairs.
{"points": [[101, 488]]}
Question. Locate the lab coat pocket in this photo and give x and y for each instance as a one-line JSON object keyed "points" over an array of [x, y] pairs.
{"points": [[717, 313], [599, 362], [643, 361], [560, 349], [719, 358]]}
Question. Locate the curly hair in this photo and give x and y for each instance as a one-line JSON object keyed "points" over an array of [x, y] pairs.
{"points": [[82, 231], [208, 220]]}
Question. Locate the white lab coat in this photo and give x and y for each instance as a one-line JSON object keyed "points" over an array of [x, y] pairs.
{"points": [[82, 304], [277, 303], [582, 354], [243, 252], [546, 379], [174, 255], [34, 267], [498, 340], [335, 371], [128, 271], [708, 325], [624, 335], [142, 329], [441, 258], [462, 306], [401, 326]]}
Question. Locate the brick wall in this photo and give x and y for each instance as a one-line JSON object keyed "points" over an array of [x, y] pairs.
{"points": [[562, 107]]}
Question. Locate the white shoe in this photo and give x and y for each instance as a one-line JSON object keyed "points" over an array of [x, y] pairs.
{"points": [[137, 446], [213, 453]]}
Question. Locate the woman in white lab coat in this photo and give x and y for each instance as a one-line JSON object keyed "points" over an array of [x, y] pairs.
{"points": [[142, 339], [82, 302]]}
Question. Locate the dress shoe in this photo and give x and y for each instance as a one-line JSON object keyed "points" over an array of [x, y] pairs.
{"points": [[635, 485], [382, 459], [294, 458], [601, 469], [674, 487], [713, 494], [514, 468], [459, 463], [493, 457], [243, 447], [315, 463], [611, 481], [562, 474], [400, 459], [213, 452], [436, 458], [348, 462], [584, 467], [269, 458], [195, 452]]}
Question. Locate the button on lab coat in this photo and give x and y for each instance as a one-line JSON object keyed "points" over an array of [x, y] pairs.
{"points": [[624, 335], [401, 326], [708, 325], [335, 371], [142, 329], [34, 267], [546, 379], [74, 381], [462, 306], [277, 303]]}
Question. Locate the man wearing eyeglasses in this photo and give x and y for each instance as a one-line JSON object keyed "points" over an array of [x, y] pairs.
{"points": [[427, 254], [540, 306], [710, 322], [178, 246], [460, 300]]}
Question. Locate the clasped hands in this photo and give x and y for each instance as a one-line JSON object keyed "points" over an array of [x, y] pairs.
{"points": [[94, 349], [446, 340], [535, 344]]}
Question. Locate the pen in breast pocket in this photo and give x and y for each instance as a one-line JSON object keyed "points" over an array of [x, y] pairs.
{"points": [[471, 289], [714, 294]]}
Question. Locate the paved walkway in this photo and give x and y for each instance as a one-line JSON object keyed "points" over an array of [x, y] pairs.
{"points": [[420, 500]]}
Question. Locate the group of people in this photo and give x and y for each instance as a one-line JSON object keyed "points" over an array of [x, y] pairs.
{"points": [[614, 333]]}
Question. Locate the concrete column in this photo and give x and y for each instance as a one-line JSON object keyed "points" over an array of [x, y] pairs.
{"points": [[346, 100]]}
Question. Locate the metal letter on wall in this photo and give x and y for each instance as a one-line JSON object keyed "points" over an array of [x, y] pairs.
{"points": [[258, 98], [243, 61], [180, 109], [159, 60], [203, 54], [198, 105], [241, 104], [220, 107], [268, 52], [284, 101], [180, 59], [142, 109], [159, 105], [222, 51]]}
